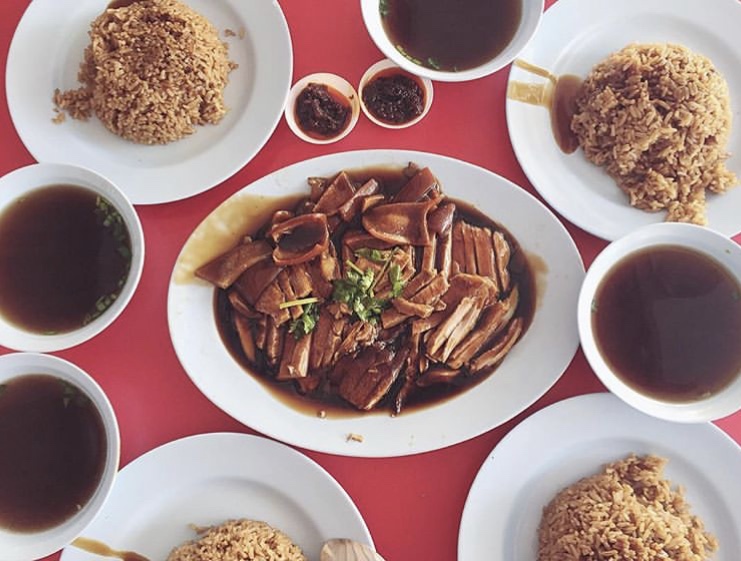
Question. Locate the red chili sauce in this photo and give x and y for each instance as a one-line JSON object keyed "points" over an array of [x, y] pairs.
{"points": [[322, 111], [394, 97]]}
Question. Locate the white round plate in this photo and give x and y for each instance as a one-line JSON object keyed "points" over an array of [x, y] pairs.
{"points": [[532, 367], [211, 478], [46, 52], [573, 439], [575, 35]]}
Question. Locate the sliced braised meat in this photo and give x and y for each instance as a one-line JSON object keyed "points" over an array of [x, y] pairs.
{"points": [[353, 205], [336, 194], [253, 282], [420, 296], [360, 334], [241, 306], [368, 377], [399, 223], [270, 303], [484, 250], [441, 219], [329, 336], [469, 249], [299, 239], [440, 342], [503, 254], [418, 187], [493, 320], [228, 267], [317, 185], [295, 360], [370, 202], [300, 280], [494, 356], [246, 338], [437, 375], [429, 255], [445, 254], [261, 332], [274, 338]]}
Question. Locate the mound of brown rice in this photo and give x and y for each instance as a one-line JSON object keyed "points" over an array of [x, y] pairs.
{"points": [[153, 71], [657, 117], [238, 540], [628, 512]]}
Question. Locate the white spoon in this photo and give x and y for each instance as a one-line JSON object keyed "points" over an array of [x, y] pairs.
{"points": [[347, 550]]}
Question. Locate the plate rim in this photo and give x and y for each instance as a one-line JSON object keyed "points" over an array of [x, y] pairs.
{"points": [[157, 173], [585, 221], [133, 472], [501, 453]]}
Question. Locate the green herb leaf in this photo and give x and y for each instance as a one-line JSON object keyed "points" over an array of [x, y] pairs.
{"points": [[406, 55], [356, 291], [306, 322], [383, 8]]}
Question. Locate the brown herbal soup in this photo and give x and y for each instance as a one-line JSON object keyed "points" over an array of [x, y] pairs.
{"points": [[450, 36], [53, 446], [668, 322], [65, 255]]}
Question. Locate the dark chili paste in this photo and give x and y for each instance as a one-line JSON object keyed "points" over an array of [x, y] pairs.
{"points": [[394, 98], [321, 111]]}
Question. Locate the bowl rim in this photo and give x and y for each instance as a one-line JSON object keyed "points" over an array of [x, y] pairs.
{"points": [[690, 236], [37, 176], [384, 64], [335, 81], [532, 14], [21, 546]]}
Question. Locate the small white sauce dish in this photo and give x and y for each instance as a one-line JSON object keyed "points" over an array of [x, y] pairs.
{"points": [[333, 82], [22, 546], [532, 12], [706, 242], [389, 67], [23, 181]]}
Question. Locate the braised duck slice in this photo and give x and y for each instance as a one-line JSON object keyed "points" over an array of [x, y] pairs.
{"points": [[354, 204], [368, 377], [494, 319], [441, 219], [503, 253], [243, 326], [328, 334], [429, 255], [299, 239], [444, 262], [494, 356], [252, 283], [439, 374], [419, 186], [241, 306], [228, 267], [484, 250], [335, 194], [295, 360], [399, 223], [419, 298], [274, 337], [440, 342], [360, 334]]}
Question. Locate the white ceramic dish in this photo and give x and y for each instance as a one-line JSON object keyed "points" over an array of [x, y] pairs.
{"points": [[17, 546], [532, 11], [534, 364], [386, 65], [575, 438], [573, 37], [335, 82], [20, 182], [714, 245], [211, 478], [46, 52]]}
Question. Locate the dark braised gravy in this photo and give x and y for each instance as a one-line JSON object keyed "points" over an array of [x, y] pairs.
{"points": [[53, 451], [64, 257], [451, 36], [668, 320]]}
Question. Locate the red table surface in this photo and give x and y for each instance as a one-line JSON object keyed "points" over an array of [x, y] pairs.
{"points": [[412, 505]]}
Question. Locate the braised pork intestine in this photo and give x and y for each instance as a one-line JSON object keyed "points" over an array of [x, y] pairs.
{"points": [[373, 293]]}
